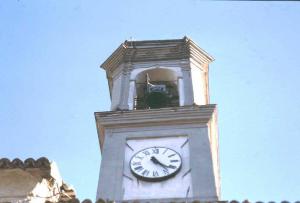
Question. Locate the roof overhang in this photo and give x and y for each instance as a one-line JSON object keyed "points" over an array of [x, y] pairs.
{"points": [[156, 50]]}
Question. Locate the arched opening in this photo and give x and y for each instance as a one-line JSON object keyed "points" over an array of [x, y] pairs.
{"points": [[156, 88]]}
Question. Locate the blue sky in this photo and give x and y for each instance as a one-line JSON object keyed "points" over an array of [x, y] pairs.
{"points": [[51, 83]]}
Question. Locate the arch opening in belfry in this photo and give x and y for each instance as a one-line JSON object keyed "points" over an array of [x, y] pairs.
{"points": [[156, 88]]}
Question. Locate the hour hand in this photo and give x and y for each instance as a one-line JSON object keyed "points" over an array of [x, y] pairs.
{"points": [[156, 161]]}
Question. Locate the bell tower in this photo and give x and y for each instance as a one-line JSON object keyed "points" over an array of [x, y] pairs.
{"points": [[159, 142]]}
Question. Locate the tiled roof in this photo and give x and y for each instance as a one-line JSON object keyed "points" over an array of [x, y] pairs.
{"points": [[28, 163]]}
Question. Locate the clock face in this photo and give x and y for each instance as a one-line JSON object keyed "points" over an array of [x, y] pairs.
{"points": [[155, 164]]}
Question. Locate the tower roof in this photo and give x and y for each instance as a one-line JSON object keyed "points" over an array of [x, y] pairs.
{"points": [[156, 50]]}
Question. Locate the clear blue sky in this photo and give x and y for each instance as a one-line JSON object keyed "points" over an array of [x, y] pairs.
{"points": [[51, 83]]}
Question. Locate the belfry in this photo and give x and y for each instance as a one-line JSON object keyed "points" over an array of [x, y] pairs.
{"points": [[159, 141]]}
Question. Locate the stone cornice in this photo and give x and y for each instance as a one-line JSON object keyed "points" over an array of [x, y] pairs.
{"points": [[156, 50], [187, 114]]}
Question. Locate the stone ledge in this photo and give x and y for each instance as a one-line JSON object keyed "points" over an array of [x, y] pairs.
{"points": [[185, 114]]}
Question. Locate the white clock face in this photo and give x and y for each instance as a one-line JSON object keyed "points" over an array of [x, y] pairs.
{"points": [[155, 163]]}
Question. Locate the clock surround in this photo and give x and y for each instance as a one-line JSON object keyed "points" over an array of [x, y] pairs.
{"points": [[176, 186]]}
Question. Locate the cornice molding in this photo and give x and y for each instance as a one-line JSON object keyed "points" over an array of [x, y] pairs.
{"points": [[177, 115], [156, 50]]}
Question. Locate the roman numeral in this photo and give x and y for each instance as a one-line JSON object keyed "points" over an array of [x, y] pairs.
{"points": [[171, 155], [145, 172], [146, 153], [155, 151], [166, 172], [155, 174], [136, 163], [174, 161], [165, 151], [139, 168], [138, 157], [171, 166]]}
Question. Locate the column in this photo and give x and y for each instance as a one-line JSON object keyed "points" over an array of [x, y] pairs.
{"points": [[131, 94], [180, 91]]}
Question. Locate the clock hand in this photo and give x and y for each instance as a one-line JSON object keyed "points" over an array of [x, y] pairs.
{"points": [[156, 161]]}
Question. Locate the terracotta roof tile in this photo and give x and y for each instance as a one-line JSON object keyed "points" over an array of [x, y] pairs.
{"points": [[28, 163]]}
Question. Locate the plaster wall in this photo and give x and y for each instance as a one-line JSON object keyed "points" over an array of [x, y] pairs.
{"points": [[16, 183]]}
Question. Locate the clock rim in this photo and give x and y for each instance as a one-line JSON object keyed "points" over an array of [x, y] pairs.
{"points": [[148, 179]]}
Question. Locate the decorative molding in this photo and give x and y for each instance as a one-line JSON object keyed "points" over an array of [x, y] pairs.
{"points": [[156, 50], [186, 114]]}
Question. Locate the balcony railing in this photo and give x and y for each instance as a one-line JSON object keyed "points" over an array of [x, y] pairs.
{"points": [[141, 103]]}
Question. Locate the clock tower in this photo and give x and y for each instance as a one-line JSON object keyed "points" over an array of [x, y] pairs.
{"points": [[159, 141]]}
